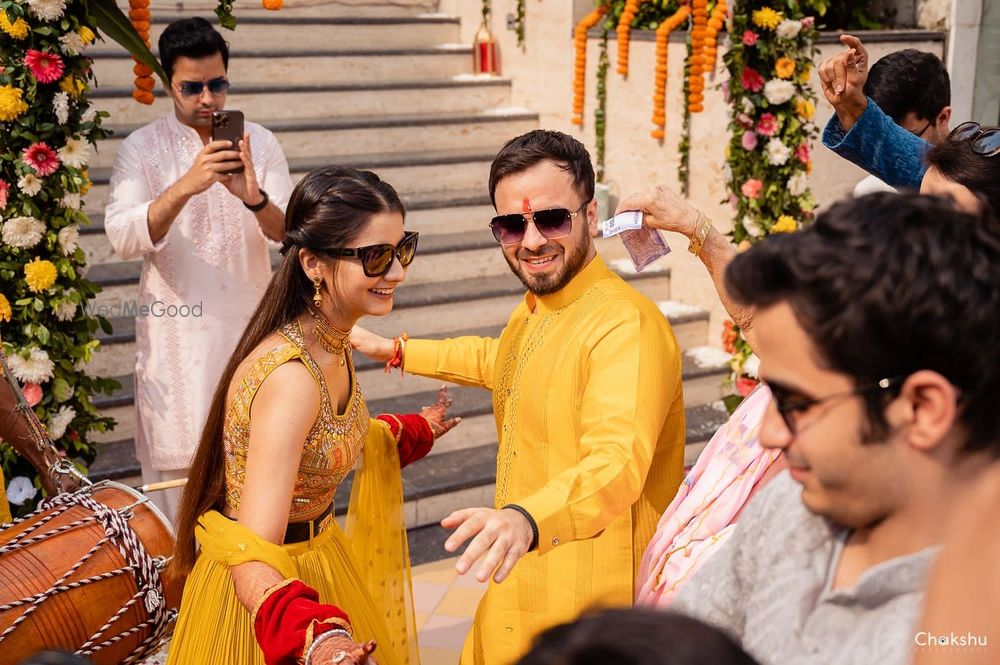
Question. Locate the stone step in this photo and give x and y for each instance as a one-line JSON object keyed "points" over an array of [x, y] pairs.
{"points": [[440, 483], [291, 65], [444, 221], [460, 169], [277, 31], [328, 100], [297, 8], [437, 321], [358, 135]]}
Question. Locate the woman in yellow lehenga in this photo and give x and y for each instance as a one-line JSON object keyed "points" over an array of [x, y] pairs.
{"points": [[276, 580]]}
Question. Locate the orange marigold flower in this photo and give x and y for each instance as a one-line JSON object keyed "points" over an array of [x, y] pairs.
{"points": [[784, 68]]}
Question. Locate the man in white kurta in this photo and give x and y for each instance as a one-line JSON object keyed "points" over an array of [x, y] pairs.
{"points": [[204, 275]]}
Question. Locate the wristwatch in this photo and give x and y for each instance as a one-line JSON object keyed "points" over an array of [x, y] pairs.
{"points": [[260, 206]]}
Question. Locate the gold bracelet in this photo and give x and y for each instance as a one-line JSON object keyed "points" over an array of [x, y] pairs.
{"points": [[705, 226]]}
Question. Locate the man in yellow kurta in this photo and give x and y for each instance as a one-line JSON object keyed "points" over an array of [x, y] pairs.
{"points": [[586, 381]]}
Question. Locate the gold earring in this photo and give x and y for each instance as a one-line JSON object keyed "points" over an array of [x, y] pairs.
{"points": [[317, 297]]}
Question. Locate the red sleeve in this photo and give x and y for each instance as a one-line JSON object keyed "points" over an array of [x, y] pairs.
{"points": [[414, 438], [289, 618]]}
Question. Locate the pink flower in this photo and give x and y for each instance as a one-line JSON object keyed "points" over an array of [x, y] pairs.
{"points": [[32, 393], [4, 188], [734, 201], [749, 140], [749, 38], [752, 188], [42, 158], [745, 121], [44, 66], [751, 80], [808, 21], [802, 153], [767, 125], [745, 385]]}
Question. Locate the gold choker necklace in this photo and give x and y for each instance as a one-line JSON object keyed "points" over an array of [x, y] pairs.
{"points": [[333, 340]]}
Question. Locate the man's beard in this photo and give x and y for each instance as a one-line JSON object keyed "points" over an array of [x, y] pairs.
{"points": [[543, 285]]}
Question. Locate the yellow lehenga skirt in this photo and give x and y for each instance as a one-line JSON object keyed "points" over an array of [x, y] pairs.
{"points": [[365, 572]]}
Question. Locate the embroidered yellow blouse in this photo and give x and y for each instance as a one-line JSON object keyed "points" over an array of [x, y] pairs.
{"points": [[330, 450], [587, 397]]}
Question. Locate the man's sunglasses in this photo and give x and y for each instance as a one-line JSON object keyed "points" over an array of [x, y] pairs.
{"points": [[552, 224], [790, 408], [985, 140], [217, 86], [376, 260]]}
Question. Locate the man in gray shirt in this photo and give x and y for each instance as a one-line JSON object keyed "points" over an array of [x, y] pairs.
{"points": [[878, 328]]}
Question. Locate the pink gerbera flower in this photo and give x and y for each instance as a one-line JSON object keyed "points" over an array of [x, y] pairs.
{"points": [[749, 38], [751, 80], [4, 189], [802, 153], [767, 125], [42, 158], [45, 67]]}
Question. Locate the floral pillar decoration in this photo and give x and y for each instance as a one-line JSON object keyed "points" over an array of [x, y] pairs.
{"points": [[49, 129], [767, 159]]}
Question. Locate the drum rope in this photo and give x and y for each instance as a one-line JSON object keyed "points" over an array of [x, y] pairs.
{"points": [[146, 571]]}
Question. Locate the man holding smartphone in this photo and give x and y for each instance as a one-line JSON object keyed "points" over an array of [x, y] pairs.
{"points": [[202, 214]]}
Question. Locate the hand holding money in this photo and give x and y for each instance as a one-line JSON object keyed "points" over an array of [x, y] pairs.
{"points": [[663, 210], [644, 244]]}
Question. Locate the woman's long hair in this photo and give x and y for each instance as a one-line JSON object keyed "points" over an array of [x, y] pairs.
{"points": [[328, 209]]}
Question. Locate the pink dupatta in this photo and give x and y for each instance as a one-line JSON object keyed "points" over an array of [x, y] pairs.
{"points": [[704, 511]]}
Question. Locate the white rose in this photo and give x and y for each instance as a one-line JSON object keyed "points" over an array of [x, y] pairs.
{"points": [[777, 152], [798, 184], [788, 29], [20, 490], [60, 421], [751, 226], [778, 92]]}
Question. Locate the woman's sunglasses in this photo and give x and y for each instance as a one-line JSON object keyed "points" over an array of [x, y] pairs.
{"points": [[376, 260], [195, 88], [552, 224], [985, 140]]}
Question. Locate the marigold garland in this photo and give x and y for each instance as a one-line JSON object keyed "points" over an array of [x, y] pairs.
{"points": [[719, 13], [660, 84], [696, 79], [623, 32], [139, 15], [580, 63]]}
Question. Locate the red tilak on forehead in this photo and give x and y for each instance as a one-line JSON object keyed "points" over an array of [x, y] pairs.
{"points": [[526, 205]]}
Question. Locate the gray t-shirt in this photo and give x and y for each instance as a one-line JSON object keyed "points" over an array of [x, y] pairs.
{"points": [[769, 587]]}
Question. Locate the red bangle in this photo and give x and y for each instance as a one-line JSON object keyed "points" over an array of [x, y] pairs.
{"points": [[289, 618], [398, 352]]}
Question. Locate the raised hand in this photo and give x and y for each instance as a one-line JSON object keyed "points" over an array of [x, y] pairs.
{"points": [[437, 416], [843, 78], [662, 209]]}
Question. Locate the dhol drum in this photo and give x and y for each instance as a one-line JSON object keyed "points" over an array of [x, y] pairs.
{"points": [[84, 574]]}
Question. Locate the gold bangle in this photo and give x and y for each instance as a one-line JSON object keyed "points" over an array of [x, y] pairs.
{"points": [[703, 229]]}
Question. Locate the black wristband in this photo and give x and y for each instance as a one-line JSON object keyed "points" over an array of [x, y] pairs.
{"points": [[531, 521], [260, 206]]}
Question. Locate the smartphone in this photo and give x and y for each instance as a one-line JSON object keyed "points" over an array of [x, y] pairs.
{"points": [[228, 126]]}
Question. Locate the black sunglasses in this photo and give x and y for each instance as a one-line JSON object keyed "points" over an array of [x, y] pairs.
{"points": [[552, 224], [376, 260], [985, 140], [195, 88], [790, 409]]}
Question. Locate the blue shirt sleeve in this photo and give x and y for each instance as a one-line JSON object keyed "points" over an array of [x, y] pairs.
{"points": [[879, 146]]}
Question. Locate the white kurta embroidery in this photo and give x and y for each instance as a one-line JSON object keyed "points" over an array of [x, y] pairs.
{"points": [[214, 260]]}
